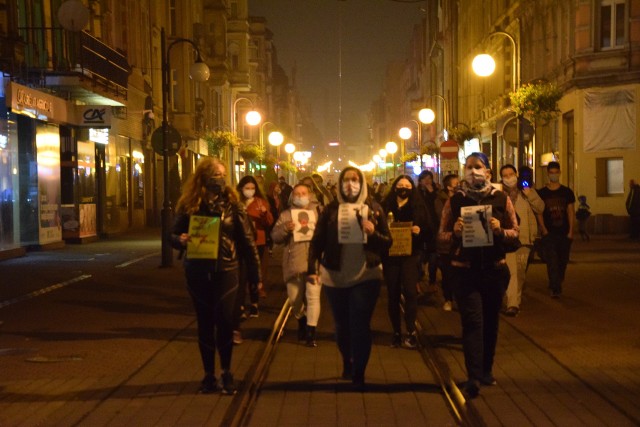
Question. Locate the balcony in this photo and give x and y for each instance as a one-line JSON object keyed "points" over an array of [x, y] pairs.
{"points": [[75, 66]]}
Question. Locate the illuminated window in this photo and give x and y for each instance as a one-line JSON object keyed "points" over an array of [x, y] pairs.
{"points": [[609, 176]]}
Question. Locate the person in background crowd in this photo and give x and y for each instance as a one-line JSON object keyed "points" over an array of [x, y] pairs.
{"points": [[582, 215], [381, 192], [401, 273], [351, 273], [429, 191], [303, 296], [327, 197], [213, 283], [285, 193], [633, 209], [528, 206], [556, 227], [260, 214], [479, 273], [450, 184]]}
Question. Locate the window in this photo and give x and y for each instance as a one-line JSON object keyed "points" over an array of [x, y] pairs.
{"points": [[609, 176], [612, 24]]}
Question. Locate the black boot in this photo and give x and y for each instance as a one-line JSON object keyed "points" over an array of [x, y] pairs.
{"points": [[311, 336], [302, 328]]}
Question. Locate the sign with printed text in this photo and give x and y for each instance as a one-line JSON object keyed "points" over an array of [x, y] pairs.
{"points": [[204, 237], [350, 217], [401, 237], [304, 224], [476, 230]]}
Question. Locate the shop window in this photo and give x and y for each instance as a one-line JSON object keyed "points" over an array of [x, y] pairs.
{"points": [[612, 24], [137, 178], [609, 176]]}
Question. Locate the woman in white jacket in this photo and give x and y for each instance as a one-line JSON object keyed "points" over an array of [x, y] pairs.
{"points": [[294, 230]]}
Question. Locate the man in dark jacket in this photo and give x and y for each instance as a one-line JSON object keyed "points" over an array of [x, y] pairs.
{"points": [[633, 209]]}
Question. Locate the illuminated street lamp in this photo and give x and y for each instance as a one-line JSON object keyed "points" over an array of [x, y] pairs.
{"points": [[199, 71], [289, 149], [405, 134], [392, 148], [484, 65], [426, 116], [276, 139], [252, 118]]}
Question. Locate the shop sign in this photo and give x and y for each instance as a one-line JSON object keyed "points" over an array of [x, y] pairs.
{"points": [[95, 116], [37, 104]]}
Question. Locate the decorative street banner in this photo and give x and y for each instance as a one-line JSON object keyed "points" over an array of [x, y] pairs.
{"points": [[204, 237], [402, 237], [350, 216], [476, 230], [304, 224]]}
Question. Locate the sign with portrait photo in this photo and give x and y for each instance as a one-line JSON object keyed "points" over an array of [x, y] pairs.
{"points": [[350, 217], [204, 237], [476, 230], [304, 224]]}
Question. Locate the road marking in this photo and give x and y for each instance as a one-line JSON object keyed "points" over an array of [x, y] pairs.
{"points": [[44, 290], [133, 261]]}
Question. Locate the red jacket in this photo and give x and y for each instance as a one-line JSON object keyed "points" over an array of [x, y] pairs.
{"points": [[262, 219]]}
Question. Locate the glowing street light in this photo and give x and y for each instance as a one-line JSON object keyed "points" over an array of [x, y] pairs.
{"points": [[426, 116], [483, 65], [392, 148]]}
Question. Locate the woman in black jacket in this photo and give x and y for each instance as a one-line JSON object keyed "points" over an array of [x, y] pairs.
{"points": [[402, 272], [212, 279], [350, 237]]}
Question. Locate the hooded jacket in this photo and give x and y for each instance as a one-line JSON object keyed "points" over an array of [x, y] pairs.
{"points": [[340, 263]]}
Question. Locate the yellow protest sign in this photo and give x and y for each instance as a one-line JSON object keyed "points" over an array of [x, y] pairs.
{"points": [[402, 238], [204, 237]]}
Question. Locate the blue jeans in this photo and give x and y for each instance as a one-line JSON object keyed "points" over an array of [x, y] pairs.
{"points": [[556, 249], [479, 295], [352, 309]]}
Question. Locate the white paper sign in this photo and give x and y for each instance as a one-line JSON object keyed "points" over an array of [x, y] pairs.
{"points": [[350, 217], [304, 224], [476, 230]]}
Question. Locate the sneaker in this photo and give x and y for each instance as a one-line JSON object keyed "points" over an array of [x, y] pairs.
{"points": [[447, 306], [396, 341], [512, 311], [488, 379], [208, 384], [469, 389], [253, 311], [237, 337], [228, 386], [411, 340], [311, 336]]}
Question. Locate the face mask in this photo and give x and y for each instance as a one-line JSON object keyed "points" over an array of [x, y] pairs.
{"points": [[403, 193], [351, 188], [511, 181], [554, 177], [476, 178], [300, 202], [215, 185], [248, 193]]}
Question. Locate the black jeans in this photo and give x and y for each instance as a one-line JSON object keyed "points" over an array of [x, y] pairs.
{"points": [[444, 262], [401, 275], [213, 296], [352, 309], [556, 249], [479, 296]]}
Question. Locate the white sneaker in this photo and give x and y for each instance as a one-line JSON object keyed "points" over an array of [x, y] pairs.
{"points": [[447, 306]]}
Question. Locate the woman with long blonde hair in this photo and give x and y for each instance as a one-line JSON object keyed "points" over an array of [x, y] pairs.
{"points": [[212, 278]]}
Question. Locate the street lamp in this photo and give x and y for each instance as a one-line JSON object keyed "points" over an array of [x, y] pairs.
{"points": [[484, 65], [405, 134], [289, 149], [252, 118], [199, 71], [383, 153], [276, 139], [392, 148]]}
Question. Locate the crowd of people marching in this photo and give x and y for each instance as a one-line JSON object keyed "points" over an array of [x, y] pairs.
{"points": [[349, 239]]}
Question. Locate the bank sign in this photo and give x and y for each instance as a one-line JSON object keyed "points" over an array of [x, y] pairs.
{"points": [[42, 106]]}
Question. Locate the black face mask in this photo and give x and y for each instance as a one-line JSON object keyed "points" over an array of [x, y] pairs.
{"points": [[403, 193], [215, 185]]}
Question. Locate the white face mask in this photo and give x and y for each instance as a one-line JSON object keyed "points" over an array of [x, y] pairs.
{"points": [[248, 193], [476, 178], [511, 181], [300, 202], [351, 188]]}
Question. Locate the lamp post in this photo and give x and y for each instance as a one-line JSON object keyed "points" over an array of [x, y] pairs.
{"points": [[252, 118], [484, 65], [405, 133], [392, 148], [377, 159], [383, 153], [199, 71], [289, 149], [276, 139]]}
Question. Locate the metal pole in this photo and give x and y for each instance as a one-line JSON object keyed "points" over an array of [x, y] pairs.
{"points": [[167, 252]]}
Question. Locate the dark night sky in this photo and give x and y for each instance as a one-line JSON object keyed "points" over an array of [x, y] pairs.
{"points": [[306, 33]]}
